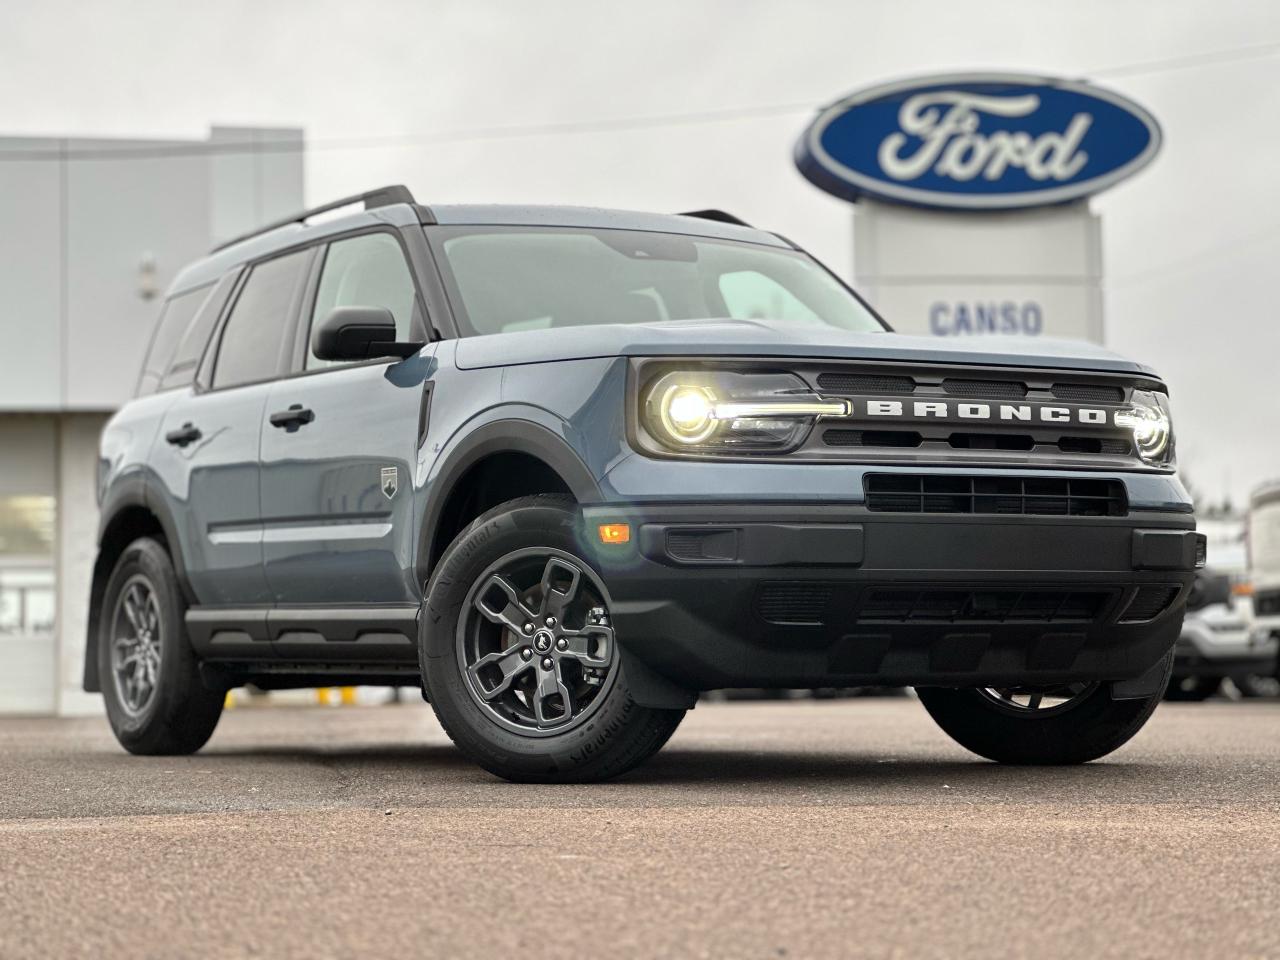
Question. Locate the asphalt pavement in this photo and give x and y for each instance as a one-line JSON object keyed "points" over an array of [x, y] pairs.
{"points": [[799, 829]]}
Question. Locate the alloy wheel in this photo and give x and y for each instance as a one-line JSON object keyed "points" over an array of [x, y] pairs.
{"points": [[535, 642], [135, 645], [1038, 701]]}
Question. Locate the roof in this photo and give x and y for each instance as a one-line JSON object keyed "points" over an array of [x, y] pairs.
{"points": [[297, 231]]}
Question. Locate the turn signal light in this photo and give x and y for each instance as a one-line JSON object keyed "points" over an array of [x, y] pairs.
{"points": [[615, 533]]}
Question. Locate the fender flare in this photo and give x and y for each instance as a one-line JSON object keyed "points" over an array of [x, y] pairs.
{"points": [[128, 492], [499, 436]]}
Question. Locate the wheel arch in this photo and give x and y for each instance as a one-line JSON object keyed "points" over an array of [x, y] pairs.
{"points": [[526, 457], [126, 515]]}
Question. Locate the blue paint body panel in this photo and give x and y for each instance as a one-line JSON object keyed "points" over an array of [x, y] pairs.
{"points": [[342, 512]]}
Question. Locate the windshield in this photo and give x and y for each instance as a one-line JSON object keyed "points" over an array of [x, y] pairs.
{"points": [[503, 279]]}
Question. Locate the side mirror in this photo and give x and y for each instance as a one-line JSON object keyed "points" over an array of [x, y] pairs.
{"points": [[359, 333]]}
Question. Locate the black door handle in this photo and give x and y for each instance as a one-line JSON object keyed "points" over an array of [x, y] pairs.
{"points": [[184, 435], [293, 418]]}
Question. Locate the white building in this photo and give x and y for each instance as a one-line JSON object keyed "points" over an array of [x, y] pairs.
{"points": [[91, 233]]}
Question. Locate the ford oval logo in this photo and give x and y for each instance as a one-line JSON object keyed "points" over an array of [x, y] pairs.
{"points": [[990, 141]]}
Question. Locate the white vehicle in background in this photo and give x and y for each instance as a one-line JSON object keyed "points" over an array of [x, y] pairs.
{"points": [[1220, 638], [1264, 556]]}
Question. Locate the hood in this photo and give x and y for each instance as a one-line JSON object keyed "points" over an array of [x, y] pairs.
{"points": [[763, 338]]}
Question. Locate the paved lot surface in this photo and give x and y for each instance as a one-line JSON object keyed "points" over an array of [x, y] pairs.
{"points": [[848, 828]]}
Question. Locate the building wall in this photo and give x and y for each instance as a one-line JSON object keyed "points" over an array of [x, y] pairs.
{"points": [[28, 539], [77, 449], [91, 234], [95, 230]]}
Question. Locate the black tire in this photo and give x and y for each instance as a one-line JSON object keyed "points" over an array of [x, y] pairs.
{"points": [[1192, 689], [615, 736], [180, 714], [1084, 729]]}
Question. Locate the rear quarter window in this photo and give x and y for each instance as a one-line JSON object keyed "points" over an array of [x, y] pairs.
{"points": [[186, 358], [175, 319]]}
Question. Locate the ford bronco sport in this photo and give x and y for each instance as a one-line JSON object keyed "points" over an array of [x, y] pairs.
{"points": [[566, 468]]}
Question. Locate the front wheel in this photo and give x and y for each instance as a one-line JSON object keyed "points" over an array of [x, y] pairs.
{"points": [[519, 656], [1067, 724]]}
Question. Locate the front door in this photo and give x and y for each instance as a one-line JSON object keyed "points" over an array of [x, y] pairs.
{"points": [[339, 449]]}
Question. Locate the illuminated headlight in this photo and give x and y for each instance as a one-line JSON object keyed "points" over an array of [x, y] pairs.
{"points": [[1148, 419], [708, 410]]}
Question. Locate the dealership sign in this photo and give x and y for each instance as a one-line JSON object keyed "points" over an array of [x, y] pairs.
{"points": [[989, 141]]}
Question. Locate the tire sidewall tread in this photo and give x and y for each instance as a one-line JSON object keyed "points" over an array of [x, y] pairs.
{"points": [[183, 711], [1089, 730], [618, 736]]}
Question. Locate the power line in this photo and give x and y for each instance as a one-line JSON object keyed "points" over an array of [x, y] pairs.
{"points": [[1254, 52], [620, 124], [209, 148]]}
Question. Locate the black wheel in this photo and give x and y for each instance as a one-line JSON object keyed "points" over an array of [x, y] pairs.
{"points": [[1192, 689], [156, 701], [519, 657], [1068, 724]]}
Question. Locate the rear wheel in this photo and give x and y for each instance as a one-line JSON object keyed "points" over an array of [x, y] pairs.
{"points": [[156, 700], [1065, 724], [519, 656]]}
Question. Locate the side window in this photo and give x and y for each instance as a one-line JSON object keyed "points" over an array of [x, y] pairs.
{"points": [[182, 368], [367, 271], [750, 295], [253, 334], [174, 320]]}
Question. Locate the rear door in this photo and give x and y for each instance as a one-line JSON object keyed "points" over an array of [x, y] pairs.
{"points": [[206, 456], [339, 448]]}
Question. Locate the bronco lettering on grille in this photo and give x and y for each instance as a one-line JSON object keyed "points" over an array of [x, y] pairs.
{"points": [[947, 409]]}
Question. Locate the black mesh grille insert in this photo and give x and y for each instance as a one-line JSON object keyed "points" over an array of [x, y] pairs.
{"points": [[982, 606], [1149, 602], [871, 438], [986, 389], [1038, 496], [1094, 445], [992, 441], [868, 383], [1088, 393], [801, 601]]}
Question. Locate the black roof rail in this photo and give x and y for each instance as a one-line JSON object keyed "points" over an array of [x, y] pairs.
{"points": [[372, 199], [718, 215]]}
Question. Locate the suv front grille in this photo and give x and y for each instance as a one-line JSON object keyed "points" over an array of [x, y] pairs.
{"points": [[982, 606], [872, 384], [1088, 393], [1032, 496], [985, 389]]}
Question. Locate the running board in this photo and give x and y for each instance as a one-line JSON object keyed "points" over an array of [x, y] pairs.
{"points": [[319, 635]]}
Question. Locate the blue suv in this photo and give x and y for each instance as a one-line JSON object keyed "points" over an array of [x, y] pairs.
{"points": [[565, 468]]}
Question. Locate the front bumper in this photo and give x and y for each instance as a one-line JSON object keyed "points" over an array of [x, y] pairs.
{"points": [[816, 595]]}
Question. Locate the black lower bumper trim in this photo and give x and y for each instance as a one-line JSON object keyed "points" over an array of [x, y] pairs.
{"points": [[895, 599]]}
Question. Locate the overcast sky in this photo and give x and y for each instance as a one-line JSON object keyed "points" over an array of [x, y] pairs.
{"points": [[417, 93]]}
